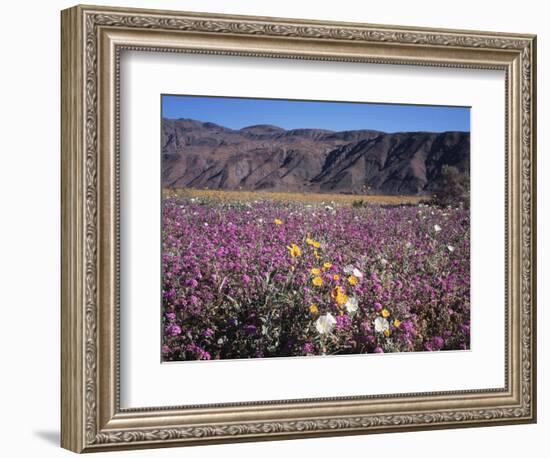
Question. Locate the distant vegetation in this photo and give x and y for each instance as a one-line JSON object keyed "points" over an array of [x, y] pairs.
{"points": [[341, 199], [453, 189]]}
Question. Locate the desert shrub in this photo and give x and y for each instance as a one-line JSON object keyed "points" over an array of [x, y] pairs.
{"points": [[453, 189]]}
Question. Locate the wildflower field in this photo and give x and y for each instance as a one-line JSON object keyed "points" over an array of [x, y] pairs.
{"points": [[255, 278]]}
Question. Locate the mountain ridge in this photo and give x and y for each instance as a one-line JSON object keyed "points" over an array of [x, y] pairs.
{"points": [[265, 157]]}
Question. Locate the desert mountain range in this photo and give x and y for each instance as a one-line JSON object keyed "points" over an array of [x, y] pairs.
{"points": [[203, 155]]}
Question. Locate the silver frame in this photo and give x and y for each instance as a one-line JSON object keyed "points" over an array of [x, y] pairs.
{"points": [[92, 40]]}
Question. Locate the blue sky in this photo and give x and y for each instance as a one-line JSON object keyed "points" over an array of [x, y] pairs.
{"points": [[237, 113]]}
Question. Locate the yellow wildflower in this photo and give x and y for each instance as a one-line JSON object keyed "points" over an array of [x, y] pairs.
{"points": [[396, 323], [386, 313], [294, 250], [338, 295], [317, 281], [278, 221], [352, 280], [315, 271], [312, 242], [387, 332], [336, 291], [313, 309], [336, 277], [316, 254], [341, 299], [327, 265]]}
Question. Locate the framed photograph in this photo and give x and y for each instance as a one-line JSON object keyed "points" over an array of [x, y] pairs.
{"points": [[279, 228]]}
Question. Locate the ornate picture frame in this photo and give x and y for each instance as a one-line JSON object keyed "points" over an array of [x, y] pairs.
{"points": [[93, 39]]}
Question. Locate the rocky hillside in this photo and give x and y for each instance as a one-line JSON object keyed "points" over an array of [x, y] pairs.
{"points": [[264, 157]]}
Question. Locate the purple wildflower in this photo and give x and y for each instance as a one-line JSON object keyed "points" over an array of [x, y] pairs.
{"points": [[438, 342], [173, 330]]}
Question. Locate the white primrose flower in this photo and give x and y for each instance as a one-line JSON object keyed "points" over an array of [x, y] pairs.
{"points": [[325, 323], [348, 270], [352, 305], [437, 228], [450, 248], [381, 324], [357, 273]]}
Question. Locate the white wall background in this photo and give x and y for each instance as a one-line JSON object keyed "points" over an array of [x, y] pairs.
{"points": [[29, 242]]}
